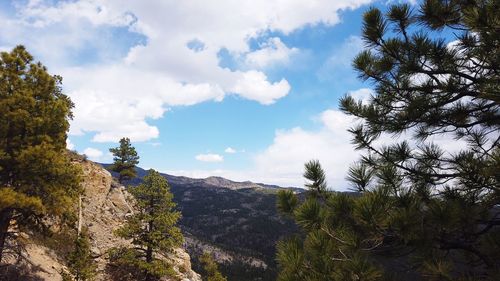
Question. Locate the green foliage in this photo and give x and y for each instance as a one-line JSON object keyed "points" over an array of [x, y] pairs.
{"points": [[132, 265], [125, 159], [210, 268], [80, 262], [331, 248], [37, 179], [152, 230], [422, 213], [286, 201], [316, 175]]}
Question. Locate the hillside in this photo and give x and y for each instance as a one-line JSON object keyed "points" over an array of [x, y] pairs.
{"points": [[105, 206], [236, 221]]}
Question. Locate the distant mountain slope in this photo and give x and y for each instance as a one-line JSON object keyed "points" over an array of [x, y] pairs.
{"points": [[207, 182], [237, 221]]}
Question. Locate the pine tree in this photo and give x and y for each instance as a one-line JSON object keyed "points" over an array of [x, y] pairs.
{"points": [[152, 229], [210, 268], [125, 159], [422, 212], [329, 247], [37, 179], [80, 262]]}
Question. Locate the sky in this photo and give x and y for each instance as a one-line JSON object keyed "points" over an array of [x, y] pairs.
{"points": [[245, 89]]}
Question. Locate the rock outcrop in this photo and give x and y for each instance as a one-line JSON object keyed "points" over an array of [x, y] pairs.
{"points": [[105, 207]]}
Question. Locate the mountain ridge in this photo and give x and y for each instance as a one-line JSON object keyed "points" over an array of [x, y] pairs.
{"points": [[210, 181]]}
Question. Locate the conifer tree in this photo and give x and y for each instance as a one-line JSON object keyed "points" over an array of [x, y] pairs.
{"points": [[210, 268], [37, 179], [329, 248], [423, 212], [152, 229], [125, 159], [80, 262]]}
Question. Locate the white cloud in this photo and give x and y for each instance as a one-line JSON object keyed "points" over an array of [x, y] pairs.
{"points": [[209, 157], [254, 85], [93, 153], [283, 161], [363, 94], [69, 144], [41, 14], [273, 51], [121, 106], [118, 90], [230, 150]]}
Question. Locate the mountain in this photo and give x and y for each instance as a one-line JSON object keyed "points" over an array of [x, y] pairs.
{"points": [[206, 182], [236, 221], [105, 206]]}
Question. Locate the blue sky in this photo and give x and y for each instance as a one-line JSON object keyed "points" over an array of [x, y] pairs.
{"points": [[247, 90]]}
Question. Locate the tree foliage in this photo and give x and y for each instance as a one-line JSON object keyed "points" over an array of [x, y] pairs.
{"points": [[152, 229], [210, 268], [80, 262], [124, 161], [424, 211], [330, 247], [36, 177]]}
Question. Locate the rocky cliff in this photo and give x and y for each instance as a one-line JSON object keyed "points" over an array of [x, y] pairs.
{"points": [[105, 206]]}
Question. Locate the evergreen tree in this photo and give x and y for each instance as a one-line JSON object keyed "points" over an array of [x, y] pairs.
{"points": [[152, 229], [37, 179], [423, 212], [125, 159], [210, 268], [330, 248], [80, 262]]}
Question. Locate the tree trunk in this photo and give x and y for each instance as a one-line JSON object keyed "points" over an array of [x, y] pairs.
{"points": [[5, 218], [149, 249], [79, 227], [149, 259]]}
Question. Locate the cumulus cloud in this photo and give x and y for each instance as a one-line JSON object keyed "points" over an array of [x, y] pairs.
{"points": [[209, 157], [273, 51], [121, 106], [123, 84], [230, 150], [93, 153], [284, 159], [69, 144], [363, 94], [254, 85]]}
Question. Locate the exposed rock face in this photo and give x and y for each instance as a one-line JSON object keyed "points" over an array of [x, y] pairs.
{"points": [[105, 206]]}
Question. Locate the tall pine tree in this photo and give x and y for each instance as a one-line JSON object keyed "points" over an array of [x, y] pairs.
{"points": [[80, 262], [152, 229], [125, 159], [37, 179], [423, 213]]}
